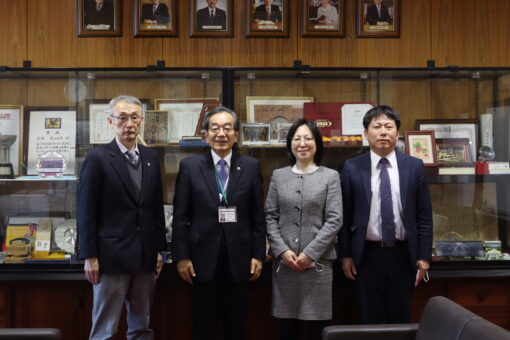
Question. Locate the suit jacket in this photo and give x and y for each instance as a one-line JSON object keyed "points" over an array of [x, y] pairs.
{"points": [[196, 232], [162, 16], [105, 16], [203, 18], [373, 16], [115, 224], [260, 13], [416, 206]]}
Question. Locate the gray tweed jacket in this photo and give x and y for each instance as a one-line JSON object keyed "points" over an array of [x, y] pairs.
{"points": [[304, 212]]}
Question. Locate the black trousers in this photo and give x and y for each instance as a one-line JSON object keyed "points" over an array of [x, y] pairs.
{"points": [[221, 299], [294, 329], [385, 284]]}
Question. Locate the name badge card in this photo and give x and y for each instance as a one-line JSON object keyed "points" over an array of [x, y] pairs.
{"points": [[227, 214]]}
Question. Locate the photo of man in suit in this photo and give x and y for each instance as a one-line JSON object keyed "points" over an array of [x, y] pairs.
{"points": [[155, 13], [267, 12], [218, 229], [98, 14], [121, 224], [386, 240], [211, 17], [378, 14]]}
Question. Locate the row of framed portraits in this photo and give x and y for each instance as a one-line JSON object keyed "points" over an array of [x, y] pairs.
{"points": [[263, 18]]}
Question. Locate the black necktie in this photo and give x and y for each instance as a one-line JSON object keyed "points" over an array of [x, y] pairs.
{"points": [[387, 217]]}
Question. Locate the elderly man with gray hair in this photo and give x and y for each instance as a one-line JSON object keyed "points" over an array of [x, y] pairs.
{"points": [[121, 224]]}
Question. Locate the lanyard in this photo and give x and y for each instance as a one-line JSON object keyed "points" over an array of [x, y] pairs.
{"points": [[222, 190]]}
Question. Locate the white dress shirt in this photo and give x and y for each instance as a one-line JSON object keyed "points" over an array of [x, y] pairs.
{"points": [[374, 229]]}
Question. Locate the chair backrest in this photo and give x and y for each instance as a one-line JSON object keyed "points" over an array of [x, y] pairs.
{"points": [[481, 329], [443, 319], [30, 334]]}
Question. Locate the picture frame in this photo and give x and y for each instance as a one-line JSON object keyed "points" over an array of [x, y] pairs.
{"points": [[185, 116], [453, 152], [150, 21], [99, 21], [275, 110], [378, 18], [50, 130], [453, 128], [283, 131], [421, 144], [255, 133], [270, 24], [218, 25], [99, 131], [155, 130], [318, 20], [459, 248], [11, 124]]}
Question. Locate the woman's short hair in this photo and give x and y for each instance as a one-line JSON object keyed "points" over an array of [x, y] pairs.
{"points": [[316, 136]]}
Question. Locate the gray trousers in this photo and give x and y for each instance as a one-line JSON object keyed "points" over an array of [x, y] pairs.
{"points": [[136, 291]]}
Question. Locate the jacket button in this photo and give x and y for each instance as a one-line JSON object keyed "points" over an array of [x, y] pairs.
{"points": [[138, 228], [296, 240], [298, 191], [297, 208], [297, 224]]}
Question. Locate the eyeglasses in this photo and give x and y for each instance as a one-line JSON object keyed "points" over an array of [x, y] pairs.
{"points": [[297, 140], [124, 119], [216, 129]]}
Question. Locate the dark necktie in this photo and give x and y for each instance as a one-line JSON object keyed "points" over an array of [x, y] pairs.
{"points": [[132, 157], [223, 172], [387, 217], [211, 17], [268, 13]]}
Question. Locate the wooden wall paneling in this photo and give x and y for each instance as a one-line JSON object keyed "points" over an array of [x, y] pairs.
{"points": [[47, 92], [453, 99], [13, 32], [13, 91], [236, 51], [52, 40], [140, 88], [470, 33], [412, 49], [191, 88], [5, 307]]}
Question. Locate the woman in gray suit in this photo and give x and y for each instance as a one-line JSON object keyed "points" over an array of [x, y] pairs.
{"points": [[303, 216]]}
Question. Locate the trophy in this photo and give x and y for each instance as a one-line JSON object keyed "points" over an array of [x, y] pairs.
{"points": [[6, 170], [484, 154]]}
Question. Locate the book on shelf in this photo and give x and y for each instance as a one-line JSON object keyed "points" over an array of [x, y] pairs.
{"points": [[457, 170]]}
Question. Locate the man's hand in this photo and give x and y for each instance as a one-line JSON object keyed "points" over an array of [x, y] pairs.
{"points": [[349, 268], [91, 269], [256, 268], [290, 259], [422, 266], [304, 261], [186, 270], [159, 265]]}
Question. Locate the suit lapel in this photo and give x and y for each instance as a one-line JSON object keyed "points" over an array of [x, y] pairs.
{"points": [[207, 169], [234, 175], [118, 163], [366, 176], [403, 174]]}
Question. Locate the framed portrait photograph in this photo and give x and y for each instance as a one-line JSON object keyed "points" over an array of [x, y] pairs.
{"points": [[453, 128], [453, 152], [11, 140], [275, 110], [267, 18], [378, 18], [421, 144], [99, 18], [255, 133], [323, 18], [211, 18], [154, 18], [185, 116]]}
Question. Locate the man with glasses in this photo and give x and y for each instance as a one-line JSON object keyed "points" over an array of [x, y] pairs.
{"points": [[218, 231], [121, 224]]}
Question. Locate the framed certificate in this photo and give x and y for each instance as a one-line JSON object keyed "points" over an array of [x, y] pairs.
{"points": [[52, 138]]}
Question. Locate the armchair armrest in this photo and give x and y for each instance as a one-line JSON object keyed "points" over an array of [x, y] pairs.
{"points": [[371, 332]]}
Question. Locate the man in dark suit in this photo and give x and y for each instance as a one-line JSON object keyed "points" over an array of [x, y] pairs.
{"points": [[121, 224], [268, 11], [211, 17], [218, 230], [155, 13], [378, 14], [386, 239], [98, 12]]}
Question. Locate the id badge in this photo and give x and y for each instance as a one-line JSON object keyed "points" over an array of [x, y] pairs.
{"points": [[227, 214]]}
